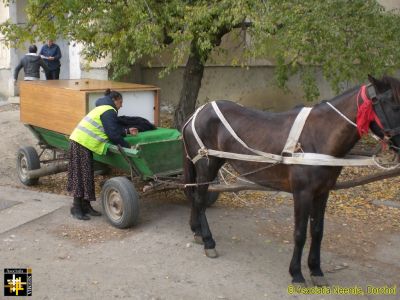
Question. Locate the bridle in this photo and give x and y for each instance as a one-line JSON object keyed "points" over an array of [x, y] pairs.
{"points": [[378, 102], [368, 94]]}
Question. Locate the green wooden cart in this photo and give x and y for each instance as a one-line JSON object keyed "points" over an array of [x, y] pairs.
{"points": [[153, 154], [51, 109]]}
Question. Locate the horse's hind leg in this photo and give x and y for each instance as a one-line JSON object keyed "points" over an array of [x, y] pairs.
{"points": [[206, 171], [302, 205], [190, 177], [317, 230]]}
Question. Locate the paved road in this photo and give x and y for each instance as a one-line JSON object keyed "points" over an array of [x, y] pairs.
{"points": [[72, 259]]}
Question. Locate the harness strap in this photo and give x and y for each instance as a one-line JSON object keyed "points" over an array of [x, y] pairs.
{"points": [[342, 115], [273, 157], [296, 130], [313, 159], [310, 159], [202, 151], [198, 139]]}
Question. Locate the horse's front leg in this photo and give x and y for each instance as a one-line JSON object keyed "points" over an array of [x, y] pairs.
{"points": [[302, 200], [317, 230]]}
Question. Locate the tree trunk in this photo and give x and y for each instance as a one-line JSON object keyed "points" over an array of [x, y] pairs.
{"points": [[191, 85], [192, 78]]}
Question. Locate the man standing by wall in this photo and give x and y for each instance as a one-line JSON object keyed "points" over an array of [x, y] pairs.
{"points": [[31, 63], [51, 55]]}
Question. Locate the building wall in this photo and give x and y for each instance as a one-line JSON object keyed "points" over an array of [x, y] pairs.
{"points": [[251, 87], [390, 4], [4, 58]]}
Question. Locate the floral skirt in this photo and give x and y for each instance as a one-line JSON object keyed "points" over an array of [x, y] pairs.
{"points": [[80, 172]]}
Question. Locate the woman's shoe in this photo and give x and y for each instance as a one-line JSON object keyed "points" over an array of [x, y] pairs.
{"points": [[88, 209], [77, 211]]}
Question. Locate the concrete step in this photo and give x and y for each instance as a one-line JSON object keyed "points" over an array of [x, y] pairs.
{"points": [[14, 100], [20, 206]]}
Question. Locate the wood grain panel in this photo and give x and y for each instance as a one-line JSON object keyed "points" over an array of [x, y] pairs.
{"points": [[93, 85], [59, 105], [50, 107]]}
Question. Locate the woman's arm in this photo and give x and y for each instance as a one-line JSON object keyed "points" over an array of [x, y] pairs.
{"points": [[113, 129]]}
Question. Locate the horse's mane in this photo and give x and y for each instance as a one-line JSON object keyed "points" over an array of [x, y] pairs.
{"points": [[394, 85], [349, 91]]}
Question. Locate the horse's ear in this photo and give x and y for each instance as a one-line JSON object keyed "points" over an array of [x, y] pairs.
{"points": [[379, 85], [374, 81]]}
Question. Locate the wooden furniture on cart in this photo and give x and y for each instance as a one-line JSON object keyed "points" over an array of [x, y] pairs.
{"points": [[59, 105]]}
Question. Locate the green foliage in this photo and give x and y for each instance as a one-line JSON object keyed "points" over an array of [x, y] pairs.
{"points": [[346, 39]]}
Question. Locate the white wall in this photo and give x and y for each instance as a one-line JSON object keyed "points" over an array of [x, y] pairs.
{"points": [[6, 85], [74, 61], [390, 4]]}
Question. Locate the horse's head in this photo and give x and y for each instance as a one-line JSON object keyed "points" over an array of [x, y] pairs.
{"points": [[386, 103]]}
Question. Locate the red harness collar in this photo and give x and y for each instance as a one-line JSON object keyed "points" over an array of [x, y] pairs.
{"points": [[365, 112]]}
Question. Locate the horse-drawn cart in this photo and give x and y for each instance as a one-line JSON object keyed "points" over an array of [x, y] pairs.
{"points": [[51, 109], [284, 153]]}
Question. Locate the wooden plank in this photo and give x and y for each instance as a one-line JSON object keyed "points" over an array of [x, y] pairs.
{"points": [[59, 105], [92, 85], [50, 107]]}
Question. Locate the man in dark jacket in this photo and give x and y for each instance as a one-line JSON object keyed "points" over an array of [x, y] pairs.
{"points": [[31, 63], [112, 126], [51, 54]]}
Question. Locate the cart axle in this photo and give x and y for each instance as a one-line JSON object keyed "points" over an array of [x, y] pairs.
{"points": [[47, 170]]}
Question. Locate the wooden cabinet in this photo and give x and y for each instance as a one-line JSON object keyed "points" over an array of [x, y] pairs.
{"points": [[59, 105]]}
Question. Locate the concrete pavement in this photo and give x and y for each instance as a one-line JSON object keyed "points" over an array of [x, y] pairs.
{"points": [[20, 206]]}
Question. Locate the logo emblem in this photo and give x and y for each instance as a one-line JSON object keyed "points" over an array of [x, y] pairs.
{"points": [[17, 282]]}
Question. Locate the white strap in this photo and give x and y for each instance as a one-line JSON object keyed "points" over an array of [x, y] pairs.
{"points": [[310, 159], [316, 159], [198, 139], [296, 130], [274, 157], [342, 115]]}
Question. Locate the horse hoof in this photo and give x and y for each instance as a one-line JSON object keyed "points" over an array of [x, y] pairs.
{"points": [[211, 253], [319, 281], [198, 239]]}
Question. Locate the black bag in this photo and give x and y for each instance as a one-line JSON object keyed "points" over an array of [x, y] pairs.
{"points": [[140, 123]]}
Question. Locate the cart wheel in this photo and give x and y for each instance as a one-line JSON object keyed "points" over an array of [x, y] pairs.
{"points": [[27, 159], [212, 197], [120, 202]]}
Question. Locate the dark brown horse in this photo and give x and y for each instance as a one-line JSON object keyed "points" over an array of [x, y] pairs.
{"points": [[325, 132]]}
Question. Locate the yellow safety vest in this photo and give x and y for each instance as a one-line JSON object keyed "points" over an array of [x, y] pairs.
{"points": [[90, 132]]}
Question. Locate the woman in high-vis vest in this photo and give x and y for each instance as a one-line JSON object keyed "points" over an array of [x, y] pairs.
{"points": [[93, 132]]}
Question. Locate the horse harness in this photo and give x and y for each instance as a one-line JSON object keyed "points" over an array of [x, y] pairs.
{"points": [[378, 103], [289, 156]]}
